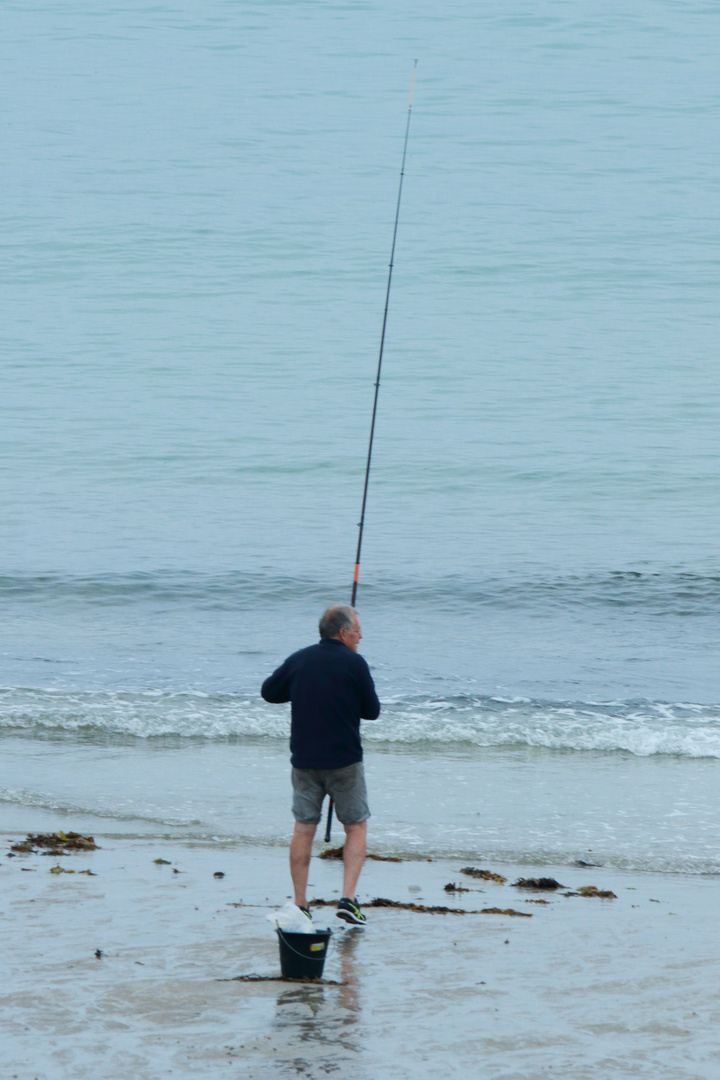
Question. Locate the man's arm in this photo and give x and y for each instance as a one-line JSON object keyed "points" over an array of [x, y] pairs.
{"points": [[276, 688], [369, 703]]}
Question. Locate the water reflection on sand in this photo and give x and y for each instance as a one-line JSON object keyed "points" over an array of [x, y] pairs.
{"points": [[323, 1023]]}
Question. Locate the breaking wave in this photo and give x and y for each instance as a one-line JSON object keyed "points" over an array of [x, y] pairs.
{"points": [[641, 728]]}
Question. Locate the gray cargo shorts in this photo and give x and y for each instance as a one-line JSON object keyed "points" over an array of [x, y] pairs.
{"points": [[345, 786]]}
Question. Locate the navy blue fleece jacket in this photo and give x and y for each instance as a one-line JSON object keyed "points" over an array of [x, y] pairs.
{"points": [[331, 689]]}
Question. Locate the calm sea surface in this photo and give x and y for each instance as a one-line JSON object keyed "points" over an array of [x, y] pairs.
{"points": [[197, 209]]}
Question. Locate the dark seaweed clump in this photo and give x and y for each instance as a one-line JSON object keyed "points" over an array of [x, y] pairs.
{"points": [[58, 843], [337, 853], [484, 875], [592, 890], [546, 883]]}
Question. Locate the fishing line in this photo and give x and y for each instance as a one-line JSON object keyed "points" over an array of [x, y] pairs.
{"points": [[361, 523]]}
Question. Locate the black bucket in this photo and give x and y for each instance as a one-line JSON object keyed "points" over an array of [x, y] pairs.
{"points": [[302, 956]]}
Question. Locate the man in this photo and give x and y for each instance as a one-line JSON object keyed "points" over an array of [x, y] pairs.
{"points": [[331, 690]]}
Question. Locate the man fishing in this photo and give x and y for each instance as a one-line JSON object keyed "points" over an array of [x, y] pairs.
{"points": [[331, 690]]}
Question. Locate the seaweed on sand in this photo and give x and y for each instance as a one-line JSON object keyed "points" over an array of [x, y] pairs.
{"points": [[426, 909], [592, 890], [332, 853], [484, 875], [548, 884], [58, 843], [506, 911], [381, 902], [337, 853]]}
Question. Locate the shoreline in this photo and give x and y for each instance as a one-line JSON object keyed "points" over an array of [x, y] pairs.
{"points": [[625, 986], [516, 805]]}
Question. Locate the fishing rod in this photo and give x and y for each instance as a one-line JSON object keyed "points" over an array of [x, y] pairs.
{"points": [[361, 523]]}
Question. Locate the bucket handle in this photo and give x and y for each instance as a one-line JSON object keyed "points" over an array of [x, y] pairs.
{"points": [[302, 955]]}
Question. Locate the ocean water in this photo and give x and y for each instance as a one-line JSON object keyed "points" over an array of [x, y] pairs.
{"points": [[197, 214]]}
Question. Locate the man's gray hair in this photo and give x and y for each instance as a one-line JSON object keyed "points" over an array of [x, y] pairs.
{"points": [[335, 619]]}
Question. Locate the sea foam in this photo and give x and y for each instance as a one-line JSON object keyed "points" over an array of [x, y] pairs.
{"points": [[641, 728]]}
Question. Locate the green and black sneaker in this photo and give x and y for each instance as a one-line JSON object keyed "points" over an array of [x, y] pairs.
{"points": [[349, 911]]}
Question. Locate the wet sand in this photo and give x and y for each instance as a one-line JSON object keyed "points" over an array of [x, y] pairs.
{"points": [[586, 987]]}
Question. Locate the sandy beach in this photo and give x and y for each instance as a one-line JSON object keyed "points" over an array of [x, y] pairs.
{"points": [[585, 987]]}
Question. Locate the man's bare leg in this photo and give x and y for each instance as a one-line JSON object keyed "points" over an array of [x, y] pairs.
{"points": [[300, 852], [353, 856]]}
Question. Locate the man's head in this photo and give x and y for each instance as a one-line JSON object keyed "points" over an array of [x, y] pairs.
{"points": [[341, 622]]}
